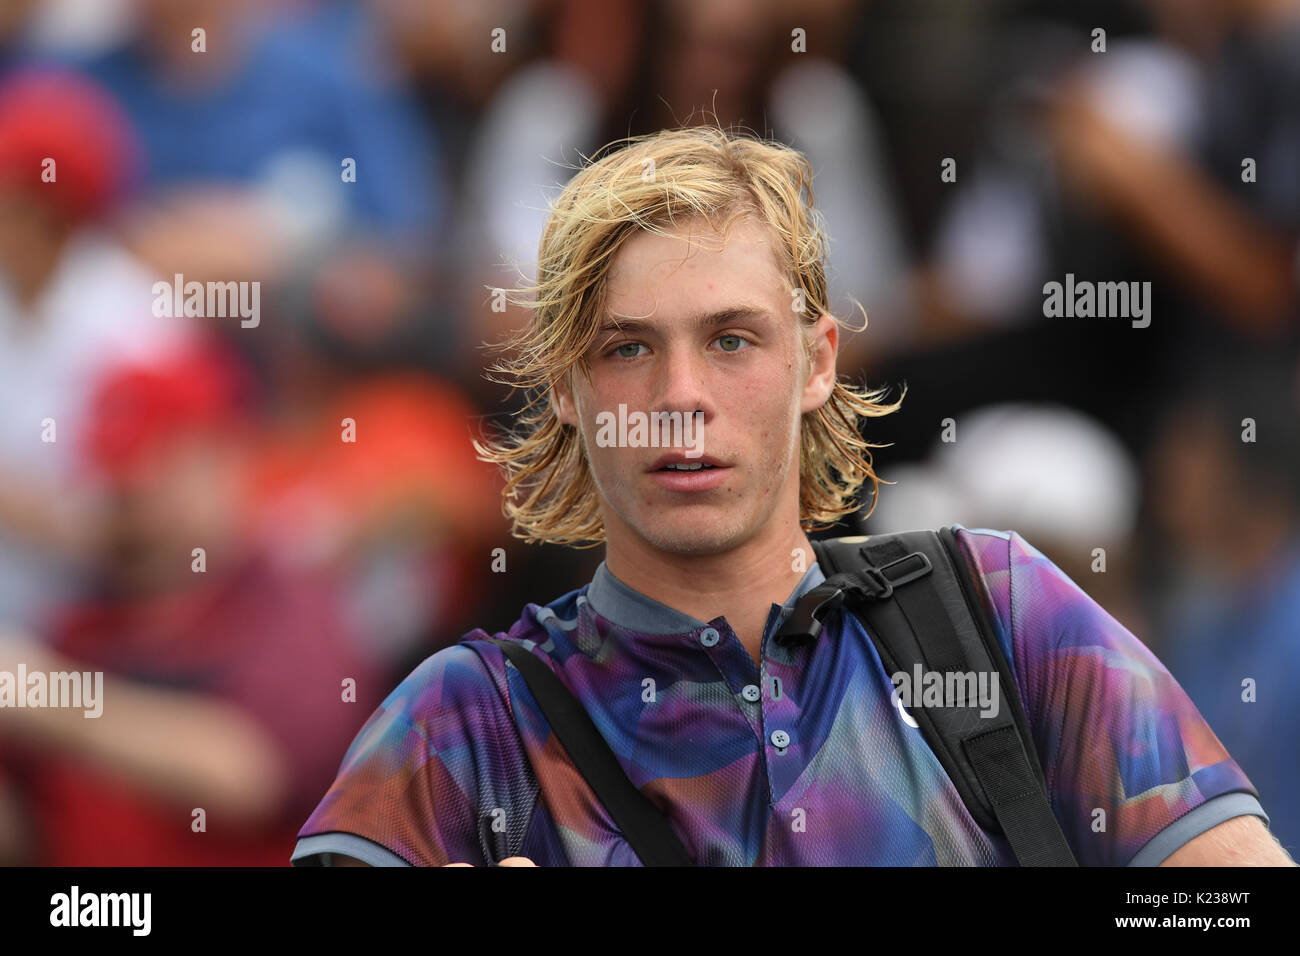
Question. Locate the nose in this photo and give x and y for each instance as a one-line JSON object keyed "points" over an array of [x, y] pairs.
{"points": [[681, 383]]}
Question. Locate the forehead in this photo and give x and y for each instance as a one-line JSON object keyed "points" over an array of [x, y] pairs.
{"points": [[694, 264]]}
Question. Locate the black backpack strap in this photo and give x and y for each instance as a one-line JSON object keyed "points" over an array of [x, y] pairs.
{"points": [[914, 596], [644, 827]]}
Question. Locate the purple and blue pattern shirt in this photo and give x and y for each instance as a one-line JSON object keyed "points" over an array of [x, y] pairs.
{"points": [[459, 765]]}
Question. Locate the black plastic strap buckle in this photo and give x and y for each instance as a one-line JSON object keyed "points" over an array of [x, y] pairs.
{"points": [[885, 584], [805, 622]]}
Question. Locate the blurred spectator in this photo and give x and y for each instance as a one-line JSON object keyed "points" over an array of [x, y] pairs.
{"points": [[1125, 166], [72, 304], [272, 138], [226, 672], [737, 63], [1233, 236], [1047, 472], [377, 476], [696, 62], [1225, 493], [269, 105]]}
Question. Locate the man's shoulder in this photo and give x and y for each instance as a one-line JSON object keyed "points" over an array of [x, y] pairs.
{"points": [[991, 552], [1021, 586], [475, 663], [453, 741], [1031, 605], [461, 692], [531, 627]]}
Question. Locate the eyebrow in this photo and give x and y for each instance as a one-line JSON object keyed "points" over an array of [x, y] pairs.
{"points": [[700, 320]]}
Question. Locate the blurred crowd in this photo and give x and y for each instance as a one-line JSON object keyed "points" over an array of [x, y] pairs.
{"points": [[256, 528]]}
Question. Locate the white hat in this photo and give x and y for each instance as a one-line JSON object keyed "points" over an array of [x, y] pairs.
{"points": [[1041, 470]]}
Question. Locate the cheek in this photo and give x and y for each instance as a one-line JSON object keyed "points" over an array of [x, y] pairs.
{"points": [[767, 409], [598, 458], [607, 465]]}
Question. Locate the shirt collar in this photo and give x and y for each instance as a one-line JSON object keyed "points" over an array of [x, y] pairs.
{"points": [[628, 608]]}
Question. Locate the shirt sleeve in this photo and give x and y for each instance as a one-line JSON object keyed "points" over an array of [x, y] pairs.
{"points": [[437, 775], [1133, 770]]}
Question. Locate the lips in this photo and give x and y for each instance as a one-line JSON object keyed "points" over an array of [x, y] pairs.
{"points": [[677, 458], [709, 475]]}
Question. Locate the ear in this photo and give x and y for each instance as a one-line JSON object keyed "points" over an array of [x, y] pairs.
{"points": [[562, 402], [821, 372]]}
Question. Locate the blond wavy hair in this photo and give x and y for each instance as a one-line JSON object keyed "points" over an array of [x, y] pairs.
{"points": [[644, 183]]}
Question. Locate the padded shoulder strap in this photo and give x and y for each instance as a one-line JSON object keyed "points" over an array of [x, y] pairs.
{"points": [[644, 827], [912, 592]]}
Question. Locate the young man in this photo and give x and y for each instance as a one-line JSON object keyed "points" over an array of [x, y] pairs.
{"points": [[684, 275]]}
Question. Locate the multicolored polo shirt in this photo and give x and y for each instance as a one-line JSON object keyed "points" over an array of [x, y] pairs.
{"points": [[459, 765]]}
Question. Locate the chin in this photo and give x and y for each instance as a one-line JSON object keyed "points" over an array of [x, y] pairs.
{"points": [[717, 535]]}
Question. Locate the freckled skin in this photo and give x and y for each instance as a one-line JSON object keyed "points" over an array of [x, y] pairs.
{"points": [[751, 393]]}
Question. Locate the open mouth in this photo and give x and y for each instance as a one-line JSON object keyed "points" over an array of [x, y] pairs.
{"points": [[690, 477], [693, 466]]}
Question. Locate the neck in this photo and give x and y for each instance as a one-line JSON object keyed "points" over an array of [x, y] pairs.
{"points": [[739, 584]]}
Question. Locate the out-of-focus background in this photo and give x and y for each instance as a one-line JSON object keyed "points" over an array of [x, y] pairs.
{"points": [[377, 166]]}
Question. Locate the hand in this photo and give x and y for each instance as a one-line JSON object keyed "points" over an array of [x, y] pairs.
{"points": [[508, 861]]}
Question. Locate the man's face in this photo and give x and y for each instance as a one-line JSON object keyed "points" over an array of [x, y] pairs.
{"points": [[711, 328]]}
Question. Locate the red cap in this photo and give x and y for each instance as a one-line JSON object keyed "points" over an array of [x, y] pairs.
{"points": [[65, 117], [138, 408]]}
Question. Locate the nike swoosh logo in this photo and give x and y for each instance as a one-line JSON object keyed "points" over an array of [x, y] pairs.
{"points": [[897, 702]]}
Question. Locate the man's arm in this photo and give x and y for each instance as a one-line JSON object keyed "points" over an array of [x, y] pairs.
{"points": [[1186, 217], [179, 745], [1241, 841], [1119, 739]]}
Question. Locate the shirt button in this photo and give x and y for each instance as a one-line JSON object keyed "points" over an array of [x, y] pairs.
{"points": [[751, 692], [780, 738], [708, 637]]}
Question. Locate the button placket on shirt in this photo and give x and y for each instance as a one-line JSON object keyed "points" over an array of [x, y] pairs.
{"points": [[737, 670], [728, 655], [779, 736], [772, 721], [781, 713]]}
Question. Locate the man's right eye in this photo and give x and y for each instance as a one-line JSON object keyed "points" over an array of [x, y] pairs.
{"points": [[619, 349]]}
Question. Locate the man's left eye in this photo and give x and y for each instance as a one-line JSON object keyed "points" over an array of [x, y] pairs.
{"points": [[732, 343]]}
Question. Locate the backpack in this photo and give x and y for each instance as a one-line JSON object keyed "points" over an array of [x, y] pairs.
{"points": [[913, 593]]}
